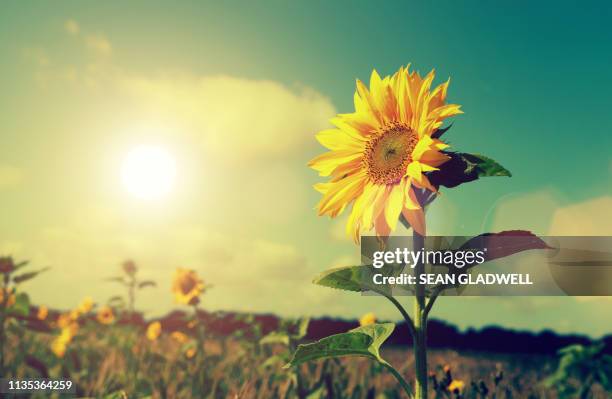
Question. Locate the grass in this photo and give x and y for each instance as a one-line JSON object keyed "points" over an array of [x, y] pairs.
{"points": [[118, 361]]}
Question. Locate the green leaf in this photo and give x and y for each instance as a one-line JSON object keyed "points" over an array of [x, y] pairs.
{"points": [[275, 338], [358, 278], [116, 280], [147, 283], [505, 243], [21, 306], [362, 341], [28, 276], [464, 168]]}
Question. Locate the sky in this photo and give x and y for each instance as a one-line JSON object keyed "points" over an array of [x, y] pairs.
{"points": [[235, 92]]}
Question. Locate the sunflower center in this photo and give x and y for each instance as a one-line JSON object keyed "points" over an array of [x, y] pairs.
{"points": [[187, 285], [389, 152]]}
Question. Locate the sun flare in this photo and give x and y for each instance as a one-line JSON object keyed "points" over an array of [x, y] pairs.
{"points": [[148, 172]]}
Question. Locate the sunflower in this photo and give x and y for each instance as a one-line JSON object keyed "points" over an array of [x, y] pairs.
{"points": [[6, 264], [154, 330], [456, 386], [186, 286], [367, 319], [86, 305], [105, 315], [42, 313], [381, 152], [179, 337]]}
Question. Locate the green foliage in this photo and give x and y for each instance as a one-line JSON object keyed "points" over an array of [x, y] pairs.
{"points": [[21, 307], [586, 364], [28, 276], [463, 168], [361, 341], [358, 278]]}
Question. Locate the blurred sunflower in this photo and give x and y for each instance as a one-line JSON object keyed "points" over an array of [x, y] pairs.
{"points": [[86, 305], [60, 343], [154, 331], [190, 352], [379, 154], [6, 264], [180, 337], [367, 319], [186, 286], [129, 267], [456, 386], [42, 313], [105, 315], [63, 320]]}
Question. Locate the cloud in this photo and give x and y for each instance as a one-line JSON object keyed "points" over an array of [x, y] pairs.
{"points": [[238, 120], [10, 176], [526, 211], [591, 217]]}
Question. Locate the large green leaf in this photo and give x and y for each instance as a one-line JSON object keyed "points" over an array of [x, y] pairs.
{"points": [[463, 168], [28, 276], [21, 306], [361, 341], [358, 278]]}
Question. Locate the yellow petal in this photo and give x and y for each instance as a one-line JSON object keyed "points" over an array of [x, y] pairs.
{"points": [[416, 218], [394, 204], [327, 162], [336, 139], [412, 201], [341, 193]]}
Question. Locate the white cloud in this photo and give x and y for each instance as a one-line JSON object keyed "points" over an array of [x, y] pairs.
{"points": [[590, 217]]}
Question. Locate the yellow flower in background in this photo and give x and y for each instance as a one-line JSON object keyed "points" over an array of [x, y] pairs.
{"points": [[86, 305], [190, 353], [63, 320], [154, 330], [456, 386], [379, 153], [42, 313], [58, 347], [186, 286], [367, 319], [180, 337], [60, 343], [74, 314], [8, 296], [105, 315]]}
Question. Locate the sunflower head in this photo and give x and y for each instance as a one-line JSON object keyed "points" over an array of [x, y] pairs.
{"points": [[381, 153], [86, 305], [129, 267], [7, 265], [179, 337], [456, 386], [187, 286], [42, 312], [154, 330], [367, 319], [106, 315]]}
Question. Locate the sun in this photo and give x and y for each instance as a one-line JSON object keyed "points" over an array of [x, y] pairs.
{"points": [[148, 172]]}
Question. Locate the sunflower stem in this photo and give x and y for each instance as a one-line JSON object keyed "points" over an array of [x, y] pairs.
{"points": [[420, 324]]}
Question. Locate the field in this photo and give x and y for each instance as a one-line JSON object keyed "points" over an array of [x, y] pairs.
{"points": [[122, 360]]}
